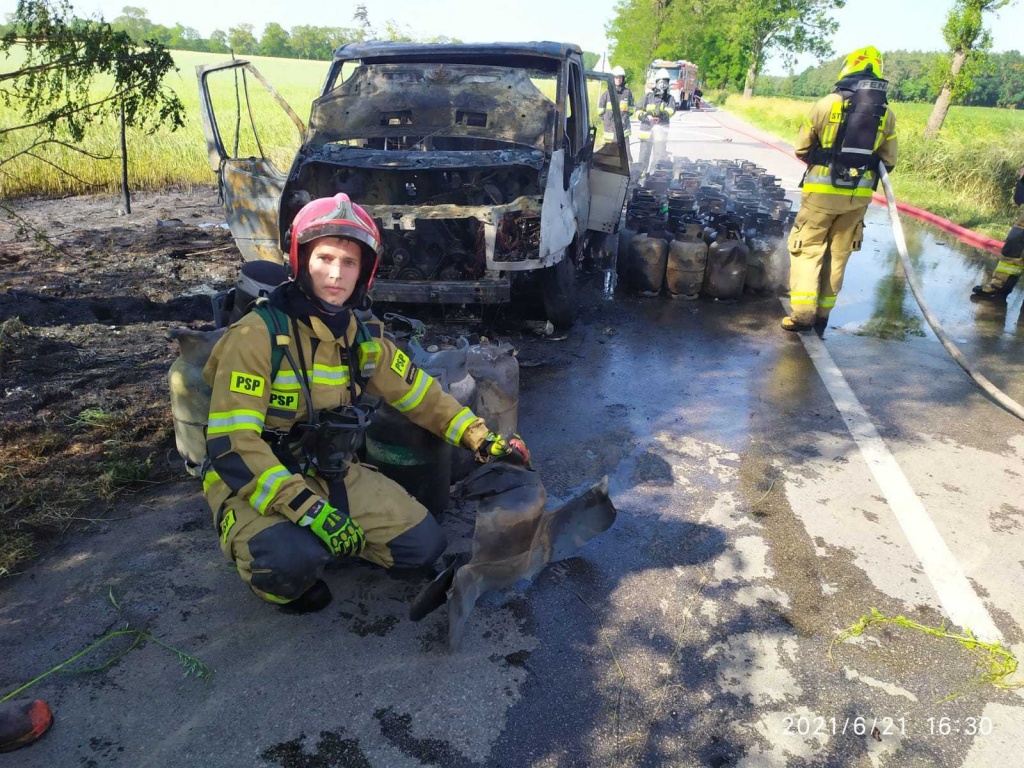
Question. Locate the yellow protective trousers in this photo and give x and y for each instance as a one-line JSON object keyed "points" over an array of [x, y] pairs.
{"points": [[1009, 269], [820, 245], [282, 560]]}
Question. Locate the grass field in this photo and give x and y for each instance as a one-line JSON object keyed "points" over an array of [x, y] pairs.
{"points": [[164, 157], [966, 174], [180, 157]]}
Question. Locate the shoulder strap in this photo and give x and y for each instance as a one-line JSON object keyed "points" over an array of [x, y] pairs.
{"points": [[277, 324]]}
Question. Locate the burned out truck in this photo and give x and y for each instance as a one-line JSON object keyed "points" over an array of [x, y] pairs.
{"points": [[477, 161]]}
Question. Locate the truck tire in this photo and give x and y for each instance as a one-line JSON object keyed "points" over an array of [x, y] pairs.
{"points": [[558, 292]]}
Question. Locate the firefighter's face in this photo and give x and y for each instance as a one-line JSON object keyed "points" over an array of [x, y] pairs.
{"points": [[619, 80], [334, 265]]}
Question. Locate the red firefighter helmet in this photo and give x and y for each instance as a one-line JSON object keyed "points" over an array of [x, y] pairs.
{"points": [[334, 216]]}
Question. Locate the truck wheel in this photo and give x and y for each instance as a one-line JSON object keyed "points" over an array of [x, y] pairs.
{"points": [[558, 292]]}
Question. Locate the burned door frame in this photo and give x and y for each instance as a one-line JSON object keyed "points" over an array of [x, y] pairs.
{"points": [[609, 169], [250, 187]]}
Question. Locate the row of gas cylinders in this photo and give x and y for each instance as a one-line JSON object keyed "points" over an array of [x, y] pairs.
{"points": [[685, 265]]}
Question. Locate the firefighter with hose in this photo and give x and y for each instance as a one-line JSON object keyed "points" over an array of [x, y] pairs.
{"points": [[654, 112], [842, 141], [1011, 265]]}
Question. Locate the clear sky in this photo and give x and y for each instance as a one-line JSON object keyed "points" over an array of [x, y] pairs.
{"points": [[887, 24]]}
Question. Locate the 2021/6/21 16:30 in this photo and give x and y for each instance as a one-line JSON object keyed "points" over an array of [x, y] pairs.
{"points": [[968, 726]]}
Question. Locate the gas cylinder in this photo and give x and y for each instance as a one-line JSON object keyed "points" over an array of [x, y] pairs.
{"points": [[450, 368], [418, 460], [647, 258], [687, 260], [727, 265], [190, 394], [496, 371], [757, 270], [626, 235]]}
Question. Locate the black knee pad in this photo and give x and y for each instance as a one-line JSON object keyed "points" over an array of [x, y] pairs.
{"points": [[286, 560], [420, 546]]}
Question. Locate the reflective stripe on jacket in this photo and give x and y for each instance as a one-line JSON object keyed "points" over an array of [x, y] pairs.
{"points": [[818, 130]]}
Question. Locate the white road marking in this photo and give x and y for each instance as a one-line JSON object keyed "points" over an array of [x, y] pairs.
{"points": [[957, 597]]}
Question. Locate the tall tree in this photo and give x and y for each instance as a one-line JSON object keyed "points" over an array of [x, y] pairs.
{"points": [[788, 26], [242, 40], [218, 41], [635, 30], [275, 40], [135, 23], [73, 73], [968, 42]]}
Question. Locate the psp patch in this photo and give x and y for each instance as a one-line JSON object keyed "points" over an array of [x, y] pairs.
{"points": [[288, 401], [401, 363], [835, 115], [247, 384]]}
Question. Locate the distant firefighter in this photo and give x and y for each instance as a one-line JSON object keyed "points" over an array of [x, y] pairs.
{"points": [[625, 97], [842, 141]]}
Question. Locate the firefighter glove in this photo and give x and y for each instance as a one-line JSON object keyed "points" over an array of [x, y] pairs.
{"points": [[512, 449], [342, 535]]}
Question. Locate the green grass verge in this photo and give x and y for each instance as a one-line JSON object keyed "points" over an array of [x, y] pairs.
{"points": [[965, 175]]}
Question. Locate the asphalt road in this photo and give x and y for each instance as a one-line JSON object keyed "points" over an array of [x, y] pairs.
{"points": [[772, 490]]}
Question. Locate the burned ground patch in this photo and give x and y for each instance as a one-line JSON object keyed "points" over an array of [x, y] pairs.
{"points": [[86, 299]]}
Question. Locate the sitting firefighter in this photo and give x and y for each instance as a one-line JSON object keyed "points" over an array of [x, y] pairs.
{"points": [[1011, 265], [294, 385], [654, 113]]}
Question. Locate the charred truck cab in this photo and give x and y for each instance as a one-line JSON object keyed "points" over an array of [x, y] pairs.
{"points": [[478, 162]]}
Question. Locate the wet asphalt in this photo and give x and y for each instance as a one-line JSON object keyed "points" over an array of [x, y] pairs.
{"points": [[700, 630]]}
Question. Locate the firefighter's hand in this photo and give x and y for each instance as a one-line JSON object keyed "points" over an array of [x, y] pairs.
{"points": [[512, 449], [339, 532], [655, 119]]}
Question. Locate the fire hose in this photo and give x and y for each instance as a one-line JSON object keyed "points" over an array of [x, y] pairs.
{"points": [[987, 386]]}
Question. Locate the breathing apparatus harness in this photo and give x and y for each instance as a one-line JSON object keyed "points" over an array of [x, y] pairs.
{"points": [[327, 439], [852, 152]]}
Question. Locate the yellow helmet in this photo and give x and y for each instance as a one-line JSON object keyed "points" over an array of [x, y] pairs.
{"points": [[862, 58]]}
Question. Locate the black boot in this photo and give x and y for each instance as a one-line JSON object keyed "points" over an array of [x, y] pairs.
{"points": [[314, 599]]}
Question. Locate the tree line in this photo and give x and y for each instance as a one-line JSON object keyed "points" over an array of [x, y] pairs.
{"points": [[915, 76]]}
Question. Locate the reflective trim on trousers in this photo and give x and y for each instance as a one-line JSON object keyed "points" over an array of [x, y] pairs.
{"points": [[803, 299], [1008, 269]]}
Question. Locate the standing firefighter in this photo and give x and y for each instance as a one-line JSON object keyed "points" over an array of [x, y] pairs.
{"points": [[625, 97], [842, 141], [654, 112], [291, 383], [1011, 266]]}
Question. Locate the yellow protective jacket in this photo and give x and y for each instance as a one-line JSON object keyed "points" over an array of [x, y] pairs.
{"points": [[245, 404], [653, 106], [818, 131]]}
